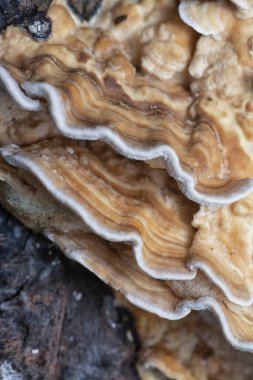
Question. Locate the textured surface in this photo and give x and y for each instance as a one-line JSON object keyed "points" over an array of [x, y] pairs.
{"points": [[30, 14], [118, 200], [113, 262], [57, 320], [165, 82], [190, 349], [153, 85]]}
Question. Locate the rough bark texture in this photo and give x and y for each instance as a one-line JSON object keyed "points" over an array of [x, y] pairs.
{"points": [[57, 320], [30, 14]]}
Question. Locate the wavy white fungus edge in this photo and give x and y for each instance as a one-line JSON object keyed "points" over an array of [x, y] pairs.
{"points": [[186, 181], [241, 4], [14, 156], [13, 88], [188, 20], [182, 309]]}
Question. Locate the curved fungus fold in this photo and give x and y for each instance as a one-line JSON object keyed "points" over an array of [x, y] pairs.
{"points": [[119, 200], [223, 242], [129, 202], [210, 18], [89, 180], [245, 8], [138, 88]]}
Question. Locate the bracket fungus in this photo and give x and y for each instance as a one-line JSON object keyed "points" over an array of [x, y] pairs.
{"points": [[105, 84], [126, 138]]}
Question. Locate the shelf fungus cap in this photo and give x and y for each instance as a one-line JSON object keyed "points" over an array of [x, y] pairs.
{"points": [[245, 8], [209, 18], [117, 202], [167, 49], [98, 88], [132, 203]]}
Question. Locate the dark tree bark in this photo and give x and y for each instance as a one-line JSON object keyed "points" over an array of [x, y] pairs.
{"points": [[29, 14], [57, 320]]}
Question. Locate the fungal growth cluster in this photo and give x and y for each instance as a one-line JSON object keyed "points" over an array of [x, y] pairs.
{"points": [[127, 139]]}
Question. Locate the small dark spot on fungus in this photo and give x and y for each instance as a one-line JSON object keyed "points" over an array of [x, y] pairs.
{"points": [[120, 19], [82, 57]]}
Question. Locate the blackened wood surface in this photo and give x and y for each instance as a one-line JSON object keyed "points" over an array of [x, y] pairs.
{"points": [[57, 320], [30, 14]]}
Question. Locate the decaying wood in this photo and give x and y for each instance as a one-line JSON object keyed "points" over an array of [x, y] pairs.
{"points": [[30, 14], [57, 320]]}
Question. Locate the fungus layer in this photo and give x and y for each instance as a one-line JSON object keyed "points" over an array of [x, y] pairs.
{"points": [[127, 201], [77, 183], [137, 83], [119, 200]]}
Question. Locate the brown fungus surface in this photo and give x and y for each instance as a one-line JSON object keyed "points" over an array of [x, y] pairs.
{"points": [[126, 201], [150, 86], [118, 199], [64, 190]]}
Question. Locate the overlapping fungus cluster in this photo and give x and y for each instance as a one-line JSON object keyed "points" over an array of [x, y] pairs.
{"points": [[131, 148]]}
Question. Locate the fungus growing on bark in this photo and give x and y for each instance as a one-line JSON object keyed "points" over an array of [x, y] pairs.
{"points": [[124, 203], [172, 94]]}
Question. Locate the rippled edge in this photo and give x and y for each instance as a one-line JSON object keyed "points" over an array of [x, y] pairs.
{"points": [[186, 181], [182, 309], [14, 156], [57, 110], [188, 20]]}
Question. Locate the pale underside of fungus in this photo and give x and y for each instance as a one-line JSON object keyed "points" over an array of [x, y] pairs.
{"points": [[164, 88]]}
